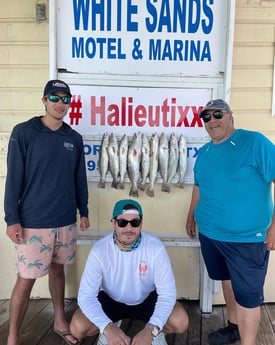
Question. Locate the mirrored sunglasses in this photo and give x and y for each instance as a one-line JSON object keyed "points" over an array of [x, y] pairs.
{"points": [[122, 223], [216, 114], [56, 98]]}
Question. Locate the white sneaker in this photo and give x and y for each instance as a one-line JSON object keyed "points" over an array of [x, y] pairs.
{"points": [[159, 339]]}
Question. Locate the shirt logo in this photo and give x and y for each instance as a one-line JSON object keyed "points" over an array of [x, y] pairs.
{"points": [[143, 269], [69, 146]]}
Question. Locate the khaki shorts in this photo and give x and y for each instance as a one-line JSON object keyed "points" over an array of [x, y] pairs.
{"points": [[41, 247]]}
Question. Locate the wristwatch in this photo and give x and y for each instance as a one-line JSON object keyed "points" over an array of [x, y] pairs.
{"points": [[154, 329]]}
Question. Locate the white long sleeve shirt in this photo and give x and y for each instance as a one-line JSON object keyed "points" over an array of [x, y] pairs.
{"points": [[127, 277]]}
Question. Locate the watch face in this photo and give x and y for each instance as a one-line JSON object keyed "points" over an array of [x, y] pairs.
{"points": [[155, 331]]}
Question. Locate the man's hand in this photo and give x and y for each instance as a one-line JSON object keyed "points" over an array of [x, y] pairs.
{"points": [[84, 223], [15, 233], [190, 221], [115, 335], [270, 238], [143, 337], [191, 227]]}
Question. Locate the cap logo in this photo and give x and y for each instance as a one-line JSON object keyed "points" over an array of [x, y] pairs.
{"points": [[209, 104], [58, 84]]}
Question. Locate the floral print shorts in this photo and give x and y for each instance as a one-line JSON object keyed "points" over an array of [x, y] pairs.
{"points": [[41, 247]]}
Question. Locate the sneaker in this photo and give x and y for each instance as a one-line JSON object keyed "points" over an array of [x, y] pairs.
{"points": [[229, 334], [159, 339]]}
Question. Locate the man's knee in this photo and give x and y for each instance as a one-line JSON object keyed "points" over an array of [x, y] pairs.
{"points": [[178, 321], [56, 269], [81, 327], [181, 322]]}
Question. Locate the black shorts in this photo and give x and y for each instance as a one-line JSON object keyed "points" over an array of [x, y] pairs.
{"points": [[117, 311], [245, 264]]}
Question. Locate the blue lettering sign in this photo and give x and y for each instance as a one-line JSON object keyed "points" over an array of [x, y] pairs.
{"points": [[179, 50], [183, 16], [110, 48], [101, 16], [91, 165]]}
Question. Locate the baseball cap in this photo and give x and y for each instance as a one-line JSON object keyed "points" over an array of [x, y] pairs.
{"points": [[120, 205], [56, 85], [216, 104]]}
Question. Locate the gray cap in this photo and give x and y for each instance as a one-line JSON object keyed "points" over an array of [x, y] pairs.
{"points": [[216, 104]]}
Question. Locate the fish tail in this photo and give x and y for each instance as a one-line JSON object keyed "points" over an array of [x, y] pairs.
{"points": [[180, 185], [101, 184], [133, 192], [165, 188], [114, 184], [142, 186], [150, 192], [121, 185]]}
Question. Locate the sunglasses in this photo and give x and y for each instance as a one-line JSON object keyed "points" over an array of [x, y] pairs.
{"points": [[216, 114], [122, 223], [56, 98]]}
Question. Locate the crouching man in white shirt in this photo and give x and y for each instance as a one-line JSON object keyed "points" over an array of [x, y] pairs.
{"points": [[128, 275]]}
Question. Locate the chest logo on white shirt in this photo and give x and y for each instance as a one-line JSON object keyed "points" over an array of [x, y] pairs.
{"points": [[143, 269]]}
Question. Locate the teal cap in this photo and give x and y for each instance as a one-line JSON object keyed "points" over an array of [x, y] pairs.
{"points": [[121, 204]]}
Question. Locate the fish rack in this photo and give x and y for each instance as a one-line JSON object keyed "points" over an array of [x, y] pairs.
{"points": [[92, 146]]}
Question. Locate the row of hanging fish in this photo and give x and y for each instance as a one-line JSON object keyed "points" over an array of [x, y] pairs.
{"points": [[143, 160]]}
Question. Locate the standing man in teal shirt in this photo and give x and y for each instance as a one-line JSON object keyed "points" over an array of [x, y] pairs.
{"points": [[233, 209]]}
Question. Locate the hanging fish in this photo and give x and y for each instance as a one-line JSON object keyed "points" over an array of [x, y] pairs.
{"points": [[182, 161], [163, 159], [103, 160], [173, 160], [145, 161], [134, 159], [122, 158], [113, 159], [154, 143]]}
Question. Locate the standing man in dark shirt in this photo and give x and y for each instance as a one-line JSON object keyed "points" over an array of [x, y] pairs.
{"points": [[46, 184]]}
